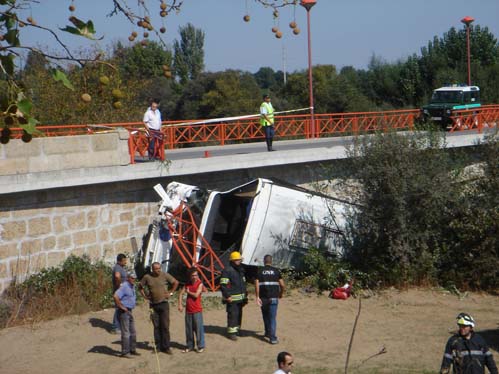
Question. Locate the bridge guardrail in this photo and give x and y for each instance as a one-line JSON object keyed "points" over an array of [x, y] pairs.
{"points": [[180, 134]]}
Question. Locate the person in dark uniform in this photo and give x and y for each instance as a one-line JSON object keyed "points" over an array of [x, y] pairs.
{"points": [[269, 287], [233, 287], [466, 351]]}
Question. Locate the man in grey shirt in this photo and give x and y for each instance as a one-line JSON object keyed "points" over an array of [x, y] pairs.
{"points": [[119, 276]]}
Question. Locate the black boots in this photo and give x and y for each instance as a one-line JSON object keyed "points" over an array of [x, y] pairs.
{"points": [[269, 145]]}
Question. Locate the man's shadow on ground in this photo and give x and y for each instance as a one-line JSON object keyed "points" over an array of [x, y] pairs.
{"points": [[100, 323], [222, 331], [141, 346]]}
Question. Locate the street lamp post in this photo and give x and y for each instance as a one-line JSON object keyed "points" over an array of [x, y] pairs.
{"points": [[467, 21], [308, 4]]}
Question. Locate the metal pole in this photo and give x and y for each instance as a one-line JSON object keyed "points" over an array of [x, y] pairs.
{"points": [[468, 21], [469, 53], [310, 80]]}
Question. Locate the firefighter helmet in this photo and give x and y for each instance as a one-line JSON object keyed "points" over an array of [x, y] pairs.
{"points": [[234, 256], [465, 319]]}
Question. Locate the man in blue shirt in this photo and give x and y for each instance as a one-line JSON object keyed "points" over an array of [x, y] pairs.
{"points": [[125, 301]]}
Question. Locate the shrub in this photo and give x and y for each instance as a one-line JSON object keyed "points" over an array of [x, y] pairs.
{"points": [[77, 286], [324, 272], [407, 198]]}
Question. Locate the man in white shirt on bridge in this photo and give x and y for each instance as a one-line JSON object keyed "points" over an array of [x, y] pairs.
{"points": [[152, 122]]}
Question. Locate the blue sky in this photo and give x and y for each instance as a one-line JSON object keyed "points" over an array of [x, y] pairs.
{"points": [[343, 32]]}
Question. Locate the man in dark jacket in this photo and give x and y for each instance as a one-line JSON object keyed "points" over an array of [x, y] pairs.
{"points": [[233, 286], [466, 351], [269, 288]]}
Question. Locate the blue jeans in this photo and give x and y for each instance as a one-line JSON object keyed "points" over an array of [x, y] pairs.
{"points": [[128, 334], [269, 132], [269, 314], [116, 320], [194, 325]]}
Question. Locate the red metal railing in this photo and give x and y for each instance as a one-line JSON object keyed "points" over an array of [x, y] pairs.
{"points": [[181, 134], [192, 248], [478, 118]]}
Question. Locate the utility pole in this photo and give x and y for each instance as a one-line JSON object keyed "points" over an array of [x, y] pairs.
{"points": [[308, 4], [468, 21]]}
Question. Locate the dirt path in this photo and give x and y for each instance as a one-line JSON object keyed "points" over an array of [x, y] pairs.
{"points": [[412, 325]]}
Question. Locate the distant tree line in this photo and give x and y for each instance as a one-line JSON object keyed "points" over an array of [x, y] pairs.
{"points": [[137, 72]]}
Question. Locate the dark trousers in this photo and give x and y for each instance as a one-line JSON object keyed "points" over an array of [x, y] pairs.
{"points": [[269, 135], [161, 322], [155, 144], [128, 333], [234, 317]]}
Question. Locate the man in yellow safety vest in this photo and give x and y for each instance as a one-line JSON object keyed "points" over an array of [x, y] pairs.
{"points": [[267, 121]]}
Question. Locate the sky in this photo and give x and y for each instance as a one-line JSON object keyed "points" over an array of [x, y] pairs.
{"points": [[343, 33]]}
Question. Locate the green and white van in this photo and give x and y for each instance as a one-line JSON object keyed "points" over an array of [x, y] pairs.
{"points": [[446, 99]]}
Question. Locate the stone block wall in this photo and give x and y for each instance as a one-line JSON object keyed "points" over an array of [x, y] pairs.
{"points": [[40, 229], [64, 152]]}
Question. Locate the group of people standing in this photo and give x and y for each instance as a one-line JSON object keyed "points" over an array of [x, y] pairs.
{"points": [[154, 288], [152, 122], [158, 287], [465, 352]]}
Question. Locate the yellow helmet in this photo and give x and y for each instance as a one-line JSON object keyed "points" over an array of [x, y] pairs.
{"points": [[234, 256]]}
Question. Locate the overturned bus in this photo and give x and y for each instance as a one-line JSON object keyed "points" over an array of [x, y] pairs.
{"points": [[267, 217], [257, 218]]}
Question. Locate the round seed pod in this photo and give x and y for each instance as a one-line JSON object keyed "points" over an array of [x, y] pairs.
{"points": [[86, 97]]}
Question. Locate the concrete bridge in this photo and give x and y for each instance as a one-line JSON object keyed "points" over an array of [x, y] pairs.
{"points": [[80, 194]]}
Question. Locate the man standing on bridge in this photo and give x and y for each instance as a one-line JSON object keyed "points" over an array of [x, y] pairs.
{"points": [[267, 121], [152, 122]]}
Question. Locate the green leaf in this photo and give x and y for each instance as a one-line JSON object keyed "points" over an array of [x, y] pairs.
{"points": [[10, 21], [72, 30], [24, 106], [8, 63], [86, 30], [77, 22], [30, 127], [60, 76], [12, 38]]}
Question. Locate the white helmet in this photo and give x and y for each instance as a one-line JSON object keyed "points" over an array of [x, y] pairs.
{"points": [[465, 319]]}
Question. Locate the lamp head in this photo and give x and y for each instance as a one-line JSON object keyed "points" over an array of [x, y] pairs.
{"points": [[467, 20]]}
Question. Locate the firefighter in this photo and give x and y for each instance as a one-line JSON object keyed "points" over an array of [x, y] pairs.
{"points": [[466, 351], [233, 286]]}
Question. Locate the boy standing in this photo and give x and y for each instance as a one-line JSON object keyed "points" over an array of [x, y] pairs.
{"points": [[193, 311]]}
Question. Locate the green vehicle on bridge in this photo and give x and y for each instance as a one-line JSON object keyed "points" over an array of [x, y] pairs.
{"points": [[445, 100]]}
